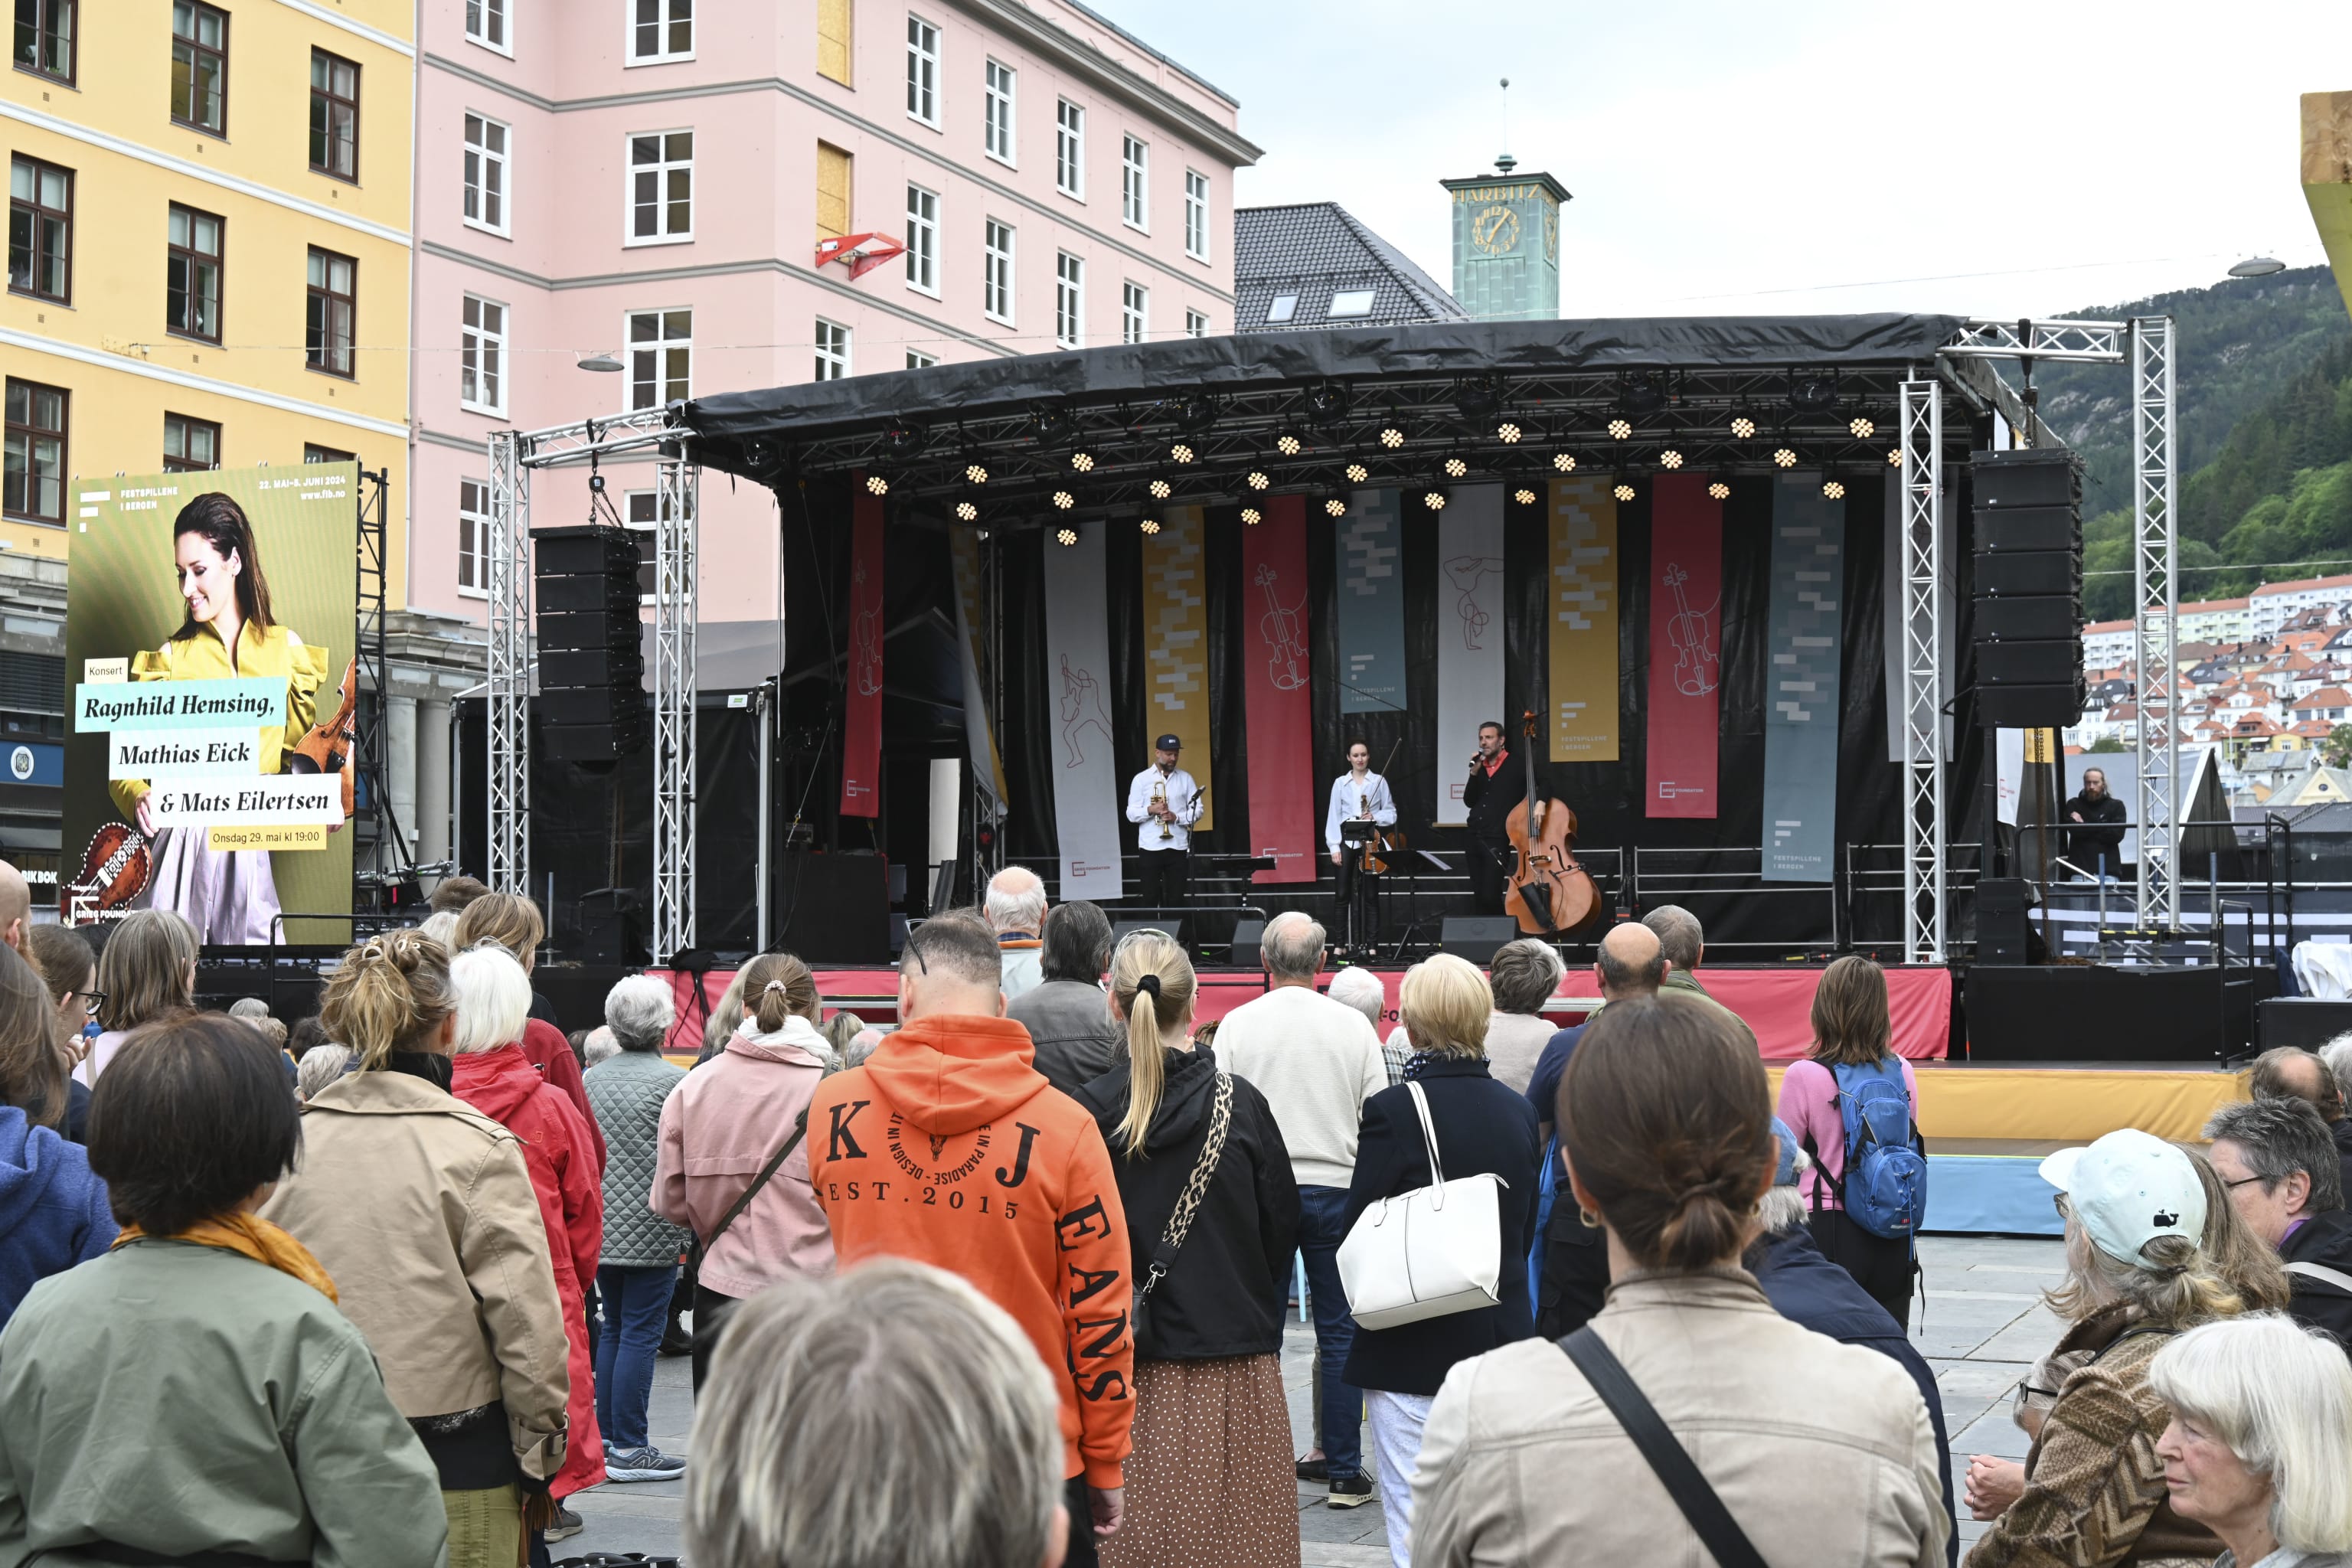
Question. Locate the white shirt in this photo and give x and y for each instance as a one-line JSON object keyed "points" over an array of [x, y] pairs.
{"points": [[1316, 1061], [1346, 797], [1184, 799]]}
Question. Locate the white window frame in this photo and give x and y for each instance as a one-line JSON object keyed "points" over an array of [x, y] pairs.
{"points": [[1069, 300], [1196, 324], [630, 238], [923, 240], [997, 271], [1134, 182], [488, 349], [1070, 149], [659, 347], [922, 72], [504, 11], [1196, 215], [917, 360], [484, 158], [833, 351], [1134, 312], [629, 56], [999, 98], [479, 556]]}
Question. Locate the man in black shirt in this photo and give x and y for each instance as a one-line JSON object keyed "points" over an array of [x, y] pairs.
{"points": [[2096, 827], [1494, 788]]}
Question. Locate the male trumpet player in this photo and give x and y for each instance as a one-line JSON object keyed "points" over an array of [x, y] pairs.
{"points": [[1492, 790], [1165, 802], [1358, 795]]}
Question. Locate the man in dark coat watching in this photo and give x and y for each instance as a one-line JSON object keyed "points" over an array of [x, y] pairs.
{"points": [[2095, 832], [1067, 1016], [2279, 1164]]}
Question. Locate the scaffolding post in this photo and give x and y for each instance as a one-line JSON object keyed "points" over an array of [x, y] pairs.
{"points": [[507, 552], [675, 486], [2155, 616], [1922, 715]]}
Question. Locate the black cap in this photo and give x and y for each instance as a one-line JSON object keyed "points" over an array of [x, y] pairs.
{"points": [[1168, 744]]}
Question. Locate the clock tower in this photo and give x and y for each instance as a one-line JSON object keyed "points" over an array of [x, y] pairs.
{"points": [[1507, 244]]}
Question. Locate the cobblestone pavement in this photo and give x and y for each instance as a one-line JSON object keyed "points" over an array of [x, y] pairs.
{"points": [[1982, 1325]]}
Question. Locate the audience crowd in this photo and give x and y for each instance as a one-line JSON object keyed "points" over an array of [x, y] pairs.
{"points": [[1003, 1284]]}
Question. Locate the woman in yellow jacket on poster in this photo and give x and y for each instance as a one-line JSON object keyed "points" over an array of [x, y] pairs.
{"points": [[229, 896]]}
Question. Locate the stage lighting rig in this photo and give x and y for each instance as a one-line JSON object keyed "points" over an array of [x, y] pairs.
{"points": [[1149, 524], [975, 470], [1064, 501], [1161, 489], [1335, 505], [878, 484], [1326, 403], [1434, 500], [1252, 515], [1783, 457], [1637, 394], [1356, 473], [1257, 479], [1742, 426], [1195, 412], [1813, 394], [1718, 491], [904, 440], [1621, 429], [1082, 462], [1183, 452], [1479, 397], [1833, 490], [1050, 425], [965, 511], [1289, 443], [1894, 456], [1623, 491], [1863, 427], [1065, 537], [1508, 432], [1563, 462], [1670, 458], [1391, 435], [1457, 467], [1524, 495]]}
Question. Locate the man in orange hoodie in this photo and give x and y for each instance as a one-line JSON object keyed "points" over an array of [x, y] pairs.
{"points": [[950, 1148]]}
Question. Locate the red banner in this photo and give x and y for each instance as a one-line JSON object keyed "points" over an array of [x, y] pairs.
{"points": [[1685, 645], [1276, 697], [861, 743]]}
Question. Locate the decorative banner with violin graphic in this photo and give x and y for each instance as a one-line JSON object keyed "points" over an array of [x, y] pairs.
{"points": [[1469, 634], [1087, 791], [209, 656], [1583, 628], [1370, 544], [1801, 681], [1176, 640], [1685, 645], [1278, 698], [861, 728]]}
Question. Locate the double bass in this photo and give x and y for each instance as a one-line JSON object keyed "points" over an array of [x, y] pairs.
{"points": [[1549, 892]]}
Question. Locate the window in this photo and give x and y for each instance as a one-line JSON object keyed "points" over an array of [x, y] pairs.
{"points": [[486, 24], [200, 66], [832, 351], [661, 187], [833, 184], [997, 279], [190, 445], [1196, 215], [662, 30], [43, 40], [1134, 313], [1196, 324], [40, 230], [482, 357], [1134, 203], [922, 72], [486, 174], [834, 29], [1282, 308], [192, 275], [33, 486], [917, 360], [661, 357], [1350, 302], [996, 130], [473, 538], [1070, 149], [334, 116], [1069, 300], [314, 453], [334, 309], [922, 239]]}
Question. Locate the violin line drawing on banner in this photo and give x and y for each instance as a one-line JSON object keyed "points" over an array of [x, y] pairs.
{"points": [[866, 633], [1082, 708], [1284, 629], [1692, 633], [1467, 573]]}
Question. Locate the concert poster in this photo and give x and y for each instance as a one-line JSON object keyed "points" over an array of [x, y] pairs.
{"points": [[188, 781]]}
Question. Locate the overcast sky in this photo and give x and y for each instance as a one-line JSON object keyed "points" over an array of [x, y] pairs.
{"points": [[2001, 160]]}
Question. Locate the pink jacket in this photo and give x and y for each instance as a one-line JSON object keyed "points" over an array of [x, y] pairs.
{"points": [[1809, 1105], [718, 1129]]}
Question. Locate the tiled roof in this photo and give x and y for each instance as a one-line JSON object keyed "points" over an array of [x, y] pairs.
{"points": [[2306, 584], [2207, 606], [1315, 249]]}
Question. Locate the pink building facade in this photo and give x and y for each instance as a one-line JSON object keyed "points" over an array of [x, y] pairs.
{"points": [[650, 179]]}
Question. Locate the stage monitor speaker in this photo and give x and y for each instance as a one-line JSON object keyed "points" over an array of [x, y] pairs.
{"points": [[2001, 920], [2049, 663], [2306, 1021], [2030, 476], [2036, 571], [2027, 528], [1475, 936], [1248, 934], [589, 635], [2041, 617], [1119, 929], [2031, 707]]}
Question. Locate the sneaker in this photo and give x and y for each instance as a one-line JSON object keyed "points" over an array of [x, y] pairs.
{"points": [[1349, 1491], [647, 1464], [567, 1524], [676, 1341], [1314, 1469]]}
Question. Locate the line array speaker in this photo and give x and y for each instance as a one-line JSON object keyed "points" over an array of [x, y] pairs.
{"points": [[2028, 612], [592, 697]]}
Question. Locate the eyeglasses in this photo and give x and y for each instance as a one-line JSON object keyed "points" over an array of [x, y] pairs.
{"points": [[92, 1000], [2241, 1181], [2058, 1201]]}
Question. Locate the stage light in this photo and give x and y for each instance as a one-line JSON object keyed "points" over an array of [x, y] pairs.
{"points": [[1182, 452], [1524, 495], [1638, 394], [1456, 467], [1150, 525], [1064, 501], [1507, 432], [1670, 458], [904, 440], [1083, 462], [1049, 427], [1195, 412], [1161, 489], [1392, 437], [1623, 491], [1479, 397], [966, 512], [1252, 515], [1256, 480], [1813, 394], [1833, 490], [1718, 491], [1356, 473], [1434, 500], [1565, 462], [1288, 443], [1326, 403], [1783, 459], [975, 473], [1065, 537], [1864, 429], [1619, 429], [1742, 426], [877, 485], [1335, 505], [1894, 456]]}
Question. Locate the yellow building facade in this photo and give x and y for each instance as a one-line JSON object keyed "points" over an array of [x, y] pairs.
{"points": [[209, 245]]}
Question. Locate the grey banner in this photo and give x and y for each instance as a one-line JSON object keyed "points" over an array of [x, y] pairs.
{"points": [[1801, 682], [1370, 541]]}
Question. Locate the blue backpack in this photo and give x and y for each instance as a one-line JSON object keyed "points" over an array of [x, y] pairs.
{"points": [[1886, 1185]]}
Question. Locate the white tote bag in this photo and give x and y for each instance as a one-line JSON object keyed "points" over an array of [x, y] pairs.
{"points": [[1427, 1252]]}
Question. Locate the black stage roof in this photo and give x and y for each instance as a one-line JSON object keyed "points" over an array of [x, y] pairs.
{"points": [[1219, 420]]}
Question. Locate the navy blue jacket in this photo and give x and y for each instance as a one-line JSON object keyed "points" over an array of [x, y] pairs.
{"points": [[1810, 1291], [53, 1211]]}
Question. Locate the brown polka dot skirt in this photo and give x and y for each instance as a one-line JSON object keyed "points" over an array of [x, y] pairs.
{"points": [[1210, 1483]]}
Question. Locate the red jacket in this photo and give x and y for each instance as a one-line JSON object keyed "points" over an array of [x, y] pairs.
{"points": [[950, 1148], [546, 1048], [565, 1173]]}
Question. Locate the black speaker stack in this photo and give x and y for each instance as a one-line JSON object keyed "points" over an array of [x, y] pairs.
{"points": [[591, 670], [2028, 588]]}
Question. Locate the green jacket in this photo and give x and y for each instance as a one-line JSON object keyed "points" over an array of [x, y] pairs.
{"points": [[179, 1398]]}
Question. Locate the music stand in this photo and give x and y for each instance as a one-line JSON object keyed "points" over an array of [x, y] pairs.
{"points": [[1414, 922]]}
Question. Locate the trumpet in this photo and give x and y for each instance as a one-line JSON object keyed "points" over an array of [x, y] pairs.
{"points": [[1160, 800]]}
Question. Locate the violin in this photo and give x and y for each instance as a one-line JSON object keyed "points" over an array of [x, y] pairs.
{"points": [[327, 747], [1549, 892]]}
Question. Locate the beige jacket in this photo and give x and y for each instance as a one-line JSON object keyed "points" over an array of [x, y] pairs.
{"points": [[1820, 1451], [421, 1210]]}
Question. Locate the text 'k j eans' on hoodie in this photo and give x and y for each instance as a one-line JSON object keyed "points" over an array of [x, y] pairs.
{"points": [[948, 1147]]}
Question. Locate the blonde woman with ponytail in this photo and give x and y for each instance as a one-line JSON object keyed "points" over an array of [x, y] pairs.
{"points": [[422, 1211], [722, 1127], [1211, 1220]]}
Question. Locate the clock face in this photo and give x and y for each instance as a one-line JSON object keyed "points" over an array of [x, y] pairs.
{"points": [[1494, 230]]}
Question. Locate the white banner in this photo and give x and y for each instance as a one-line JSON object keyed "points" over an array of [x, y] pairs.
{"points": [[1088, 794], [183, 753], [2009, 759], [1469, 636], [280, 800]]}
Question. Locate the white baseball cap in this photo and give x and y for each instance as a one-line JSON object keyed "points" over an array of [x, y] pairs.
{"points": [[2128, 1189]]}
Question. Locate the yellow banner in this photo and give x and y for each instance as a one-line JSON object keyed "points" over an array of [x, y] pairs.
{"points": [[979, 735], [284, 837], [1584, 621], [1176, 640]]}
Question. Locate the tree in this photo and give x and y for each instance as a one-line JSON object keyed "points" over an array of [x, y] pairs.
{"points": [[2113, 745], [2337, 749]]}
